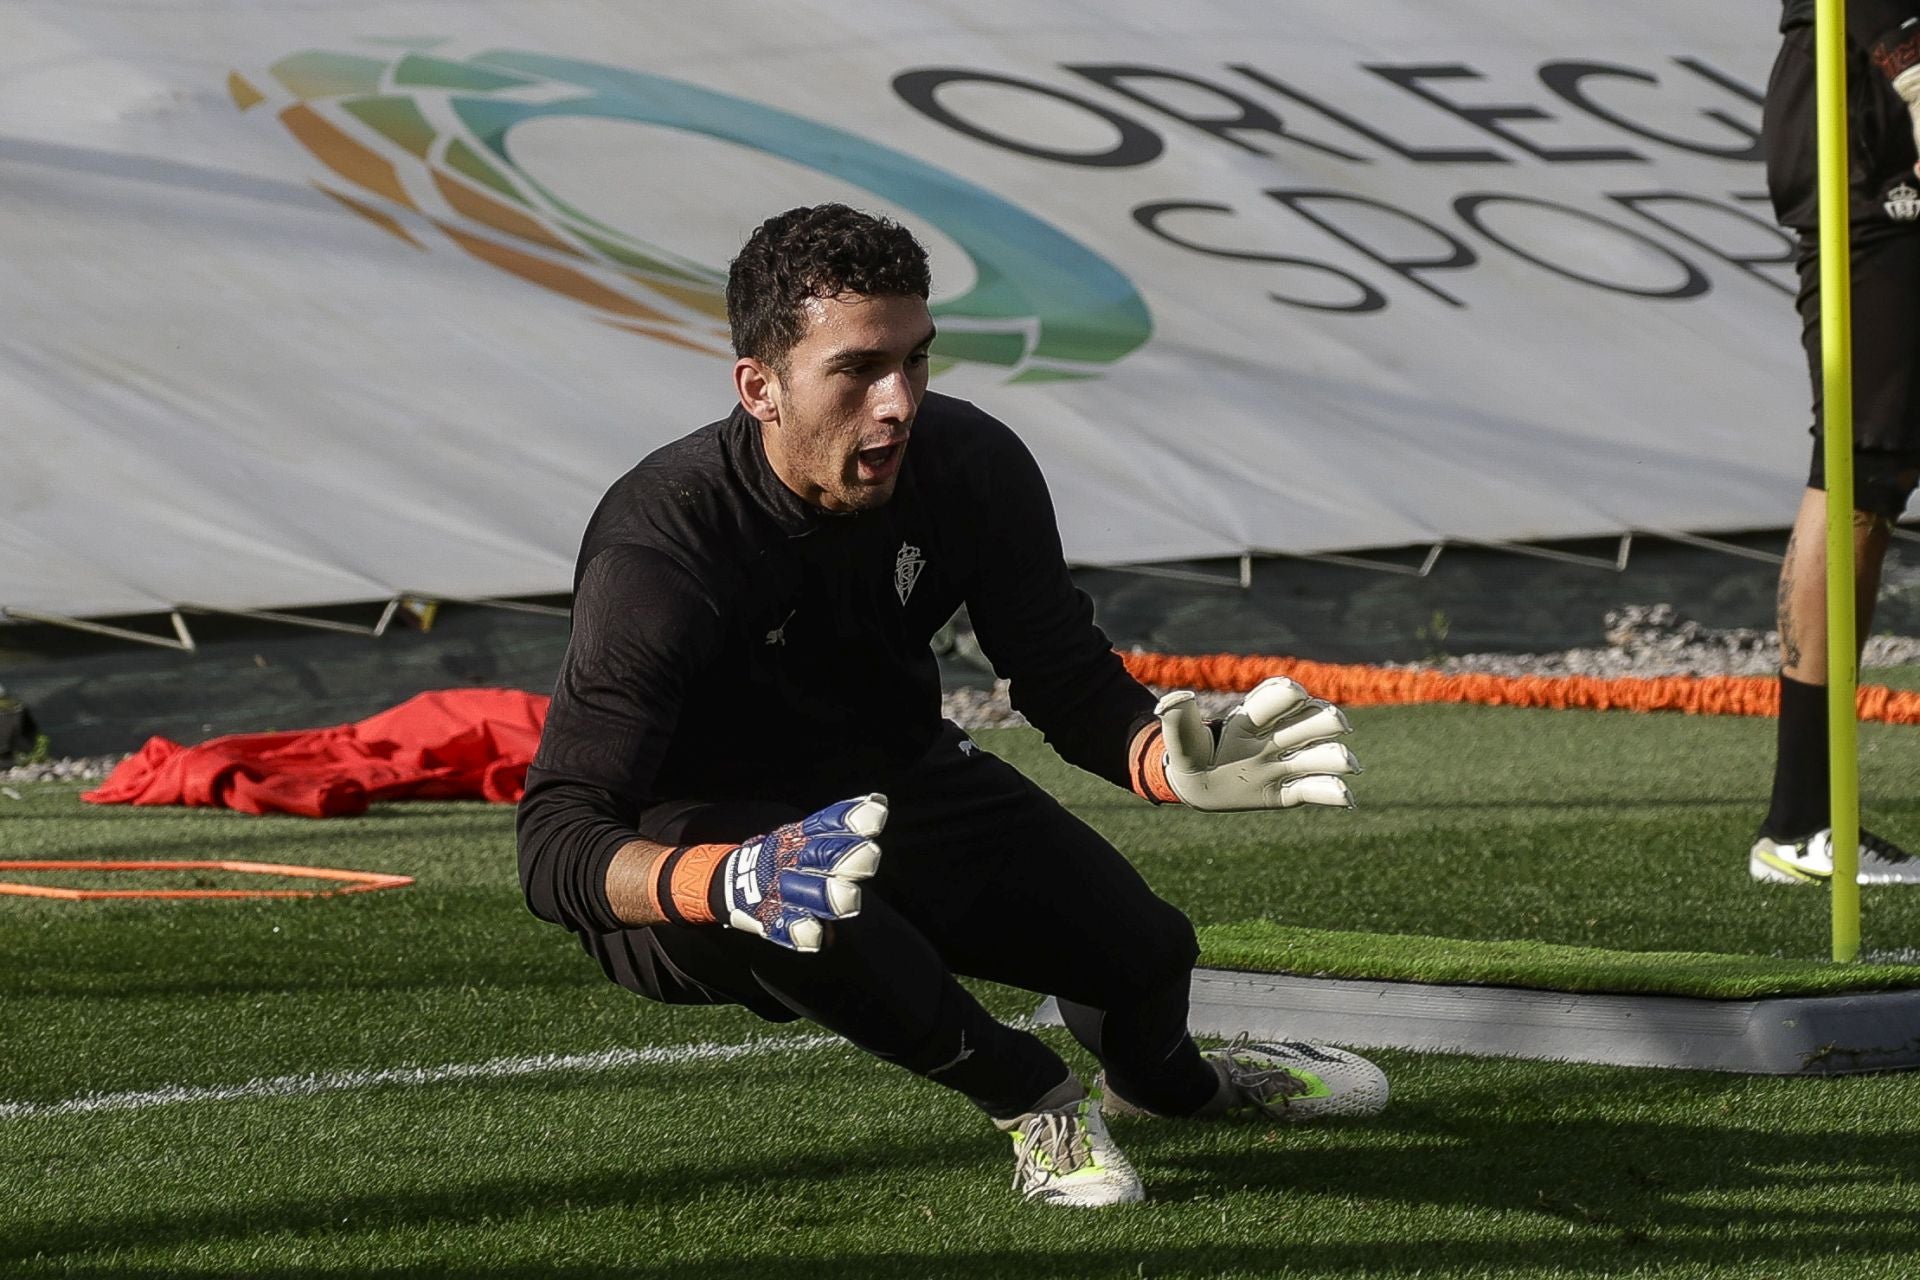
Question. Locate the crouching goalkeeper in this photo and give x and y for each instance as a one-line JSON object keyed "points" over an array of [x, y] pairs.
{"points": [[745, 792]]}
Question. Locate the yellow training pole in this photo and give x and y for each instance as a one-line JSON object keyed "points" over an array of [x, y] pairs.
{"points": [[1836, 354]]}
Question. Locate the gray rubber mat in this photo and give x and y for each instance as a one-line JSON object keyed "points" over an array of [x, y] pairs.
{"points": [[1798, 1035]]}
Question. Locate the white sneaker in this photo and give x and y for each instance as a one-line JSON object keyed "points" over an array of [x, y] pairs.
{"points": [[1063, 1155], [1286, 1080], [1810, 861]]}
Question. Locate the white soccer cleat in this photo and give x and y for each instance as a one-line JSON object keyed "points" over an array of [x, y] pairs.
{"points": [[1810, 861], [1064, 1156], [1296, 1082], [1286, 1080]]}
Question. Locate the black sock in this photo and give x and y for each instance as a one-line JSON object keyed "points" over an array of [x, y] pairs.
{"points": [[1800, 800], [1149, 1059]]}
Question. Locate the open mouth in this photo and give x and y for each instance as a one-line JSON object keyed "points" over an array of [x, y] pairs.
{"points": [[881, 461]]}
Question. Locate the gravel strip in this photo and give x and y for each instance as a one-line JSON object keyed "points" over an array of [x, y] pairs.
{"points": [[65, 769], [1650, 640]]}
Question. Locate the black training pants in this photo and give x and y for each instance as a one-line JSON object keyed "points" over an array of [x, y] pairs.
{"points": [[982, 874]]}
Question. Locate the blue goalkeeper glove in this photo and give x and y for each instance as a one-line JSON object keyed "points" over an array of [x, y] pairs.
{"points": [[786, 885]]}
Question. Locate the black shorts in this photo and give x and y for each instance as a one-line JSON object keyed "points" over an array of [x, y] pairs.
{"points": [[1884, 220], [987, 868], [1886, 370]]}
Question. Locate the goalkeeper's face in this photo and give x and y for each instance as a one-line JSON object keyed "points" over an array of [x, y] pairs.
{"points": [[837, 412]]}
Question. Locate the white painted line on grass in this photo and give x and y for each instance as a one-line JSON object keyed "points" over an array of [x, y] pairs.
{"points": [[306, 1086]]}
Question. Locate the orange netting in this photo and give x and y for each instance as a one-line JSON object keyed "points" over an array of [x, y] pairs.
{"points": [[1360, 686]]}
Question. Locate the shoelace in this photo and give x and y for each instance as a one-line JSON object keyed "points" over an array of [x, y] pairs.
{"points": [[1260, 1085], [1882, 848], [1054, 1147]]}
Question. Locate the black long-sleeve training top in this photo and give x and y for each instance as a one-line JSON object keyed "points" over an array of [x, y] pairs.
{"points": [[732, 642]]}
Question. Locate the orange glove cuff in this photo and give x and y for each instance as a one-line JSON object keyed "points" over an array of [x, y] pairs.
{"points": [[683, 890], [1147, 766]]}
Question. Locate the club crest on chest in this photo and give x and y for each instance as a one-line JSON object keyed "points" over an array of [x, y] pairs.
{"points": [[779, 634], [906, 570]]}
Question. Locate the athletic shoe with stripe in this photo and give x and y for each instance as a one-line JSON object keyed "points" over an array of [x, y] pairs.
{"points": [[1063, 1155], [1810, 861], [1290, 1081]]}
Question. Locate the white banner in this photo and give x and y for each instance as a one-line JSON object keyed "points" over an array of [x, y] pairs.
{"points": [[306, 302]]}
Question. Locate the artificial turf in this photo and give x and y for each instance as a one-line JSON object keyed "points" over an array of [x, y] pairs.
{"points": [[755, 1159]]}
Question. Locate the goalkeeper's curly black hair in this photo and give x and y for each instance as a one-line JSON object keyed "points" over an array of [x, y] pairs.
{"points": [[818, 251]]}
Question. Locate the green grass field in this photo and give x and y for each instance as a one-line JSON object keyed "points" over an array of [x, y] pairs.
{"points": [[406, 1082]]}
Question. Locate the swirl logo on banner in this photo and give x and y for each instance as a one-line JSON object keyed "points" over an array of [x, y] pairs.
{"points": [[424, 139]]}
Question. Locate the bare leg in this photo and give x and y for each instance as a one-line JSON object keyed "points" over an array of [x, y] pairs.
{"points": [[1800, 804], [1803, 586]]}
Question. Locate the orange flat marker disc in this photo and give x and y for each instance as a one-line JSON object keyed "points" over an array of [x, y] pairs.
{"points": [[349, 881]]}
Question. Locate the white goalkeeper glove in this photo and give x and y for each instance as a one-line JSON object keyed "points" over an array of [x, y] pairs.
{"points": [[1275, 750]]}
